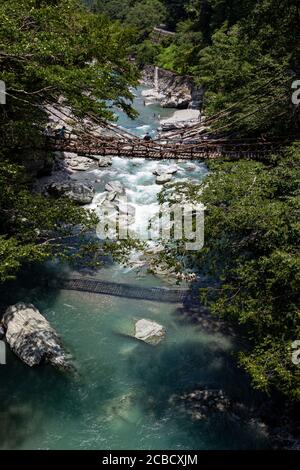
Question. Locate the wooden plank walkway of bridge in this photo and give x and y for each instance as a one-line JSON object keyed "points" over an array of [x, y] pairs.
{"points": [[154, 150], [97, 286]]}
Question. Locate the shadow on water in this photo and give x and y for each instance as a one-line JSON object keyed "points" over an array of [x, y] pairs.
{"points": [[175, 369]]}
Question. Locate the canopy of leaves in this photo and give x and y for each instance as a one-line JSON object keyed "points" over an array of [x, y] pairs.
{"points": [[50, 49], [252, 251]]}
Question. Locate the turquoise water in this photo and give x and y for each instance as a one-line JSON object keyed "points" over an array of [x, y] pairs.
{"points": [[122, 396]]}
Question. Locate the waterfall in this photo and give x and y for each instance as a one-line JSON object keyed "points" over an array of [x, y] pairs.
{"points": [[156, 78]]}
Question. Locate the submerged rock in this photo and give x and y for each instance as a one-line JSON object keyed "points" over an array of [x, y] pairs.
{"points": [[32, 339], [77, 192], [201, 404], [120, 409], [149, 331]]}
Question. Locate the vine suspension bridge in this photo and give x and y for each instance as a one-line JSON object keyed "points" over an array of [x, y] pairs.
{"points": [[197, 142], [138, 148]]}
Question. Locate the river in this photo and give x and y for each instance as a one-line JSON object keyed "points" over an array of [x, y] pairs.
{"points": [[122, 397]]}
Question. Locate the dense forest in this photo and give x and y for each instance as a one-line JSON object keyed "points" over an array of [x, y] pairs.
{"points": [[246, 53]]}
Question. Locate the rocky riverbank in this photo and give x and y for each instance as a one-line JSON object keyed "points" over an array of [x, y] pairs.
{"points": [[172, 90]]}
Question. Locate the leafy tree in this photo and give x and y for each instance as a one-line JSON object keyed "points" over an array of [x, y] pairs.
{"points": [[146, 53], [250, 67], [144, 15], [252, 253], [49, 49]]}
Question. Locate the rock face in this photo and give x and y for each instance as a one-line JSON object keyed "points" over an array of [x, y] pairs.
{"points": [[149, 331], [32, 339], [175, 91], [77, 192], [73, 161]]}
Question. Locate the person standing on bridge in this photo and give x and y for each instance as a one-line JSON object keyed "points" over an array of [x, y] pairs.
{"points": [[62, 133], [147, 137], [48, 134]]}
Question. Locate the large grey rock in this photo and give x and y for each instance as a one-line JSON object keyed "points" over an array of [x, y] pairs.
{"points": [[104, 162], [179, 101], [149, 331], [31, 337], [163, 179], [160, 170], [77, 192]]}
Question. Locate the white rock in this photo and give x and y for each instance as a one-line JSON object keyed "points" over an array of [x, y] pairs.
{"points": [[104, 162], [32, 338], [162, 170], [149, 331], [163, 179]]}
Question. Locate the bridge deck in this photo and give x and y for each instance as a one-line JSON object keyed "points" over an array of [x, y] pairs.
{"points": [[95, 286], [153, 150]]}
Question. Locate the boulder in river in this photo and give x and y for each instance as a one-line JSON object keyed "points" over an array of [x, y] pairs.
{"points": [[170, 170], [163, 178], [175, 101], [149, 331], [104, 162], [32, 339], [77, 192]]}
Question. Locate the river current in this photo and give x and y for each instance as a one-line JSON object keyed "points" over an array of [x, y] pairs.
{"points": [[122, 396]]}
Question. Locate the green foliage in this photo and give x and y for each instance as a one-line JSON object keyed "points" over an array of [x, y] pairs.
{"points": [[146, 53], [249, 68], [252, 251], [35, 228], [49, 49], [144, 15], [183, 53]]}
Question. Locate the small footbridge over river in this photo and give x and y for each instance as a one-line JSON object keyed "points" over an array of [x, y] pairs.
{"points": [[129, 291]]}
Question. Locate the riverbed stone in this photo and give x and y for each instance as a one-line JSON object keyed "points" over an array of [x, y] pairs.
{"points": [[162, 170], [104, 162], [31, 337], [78, 192], [149, 331], [164, 178]]}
